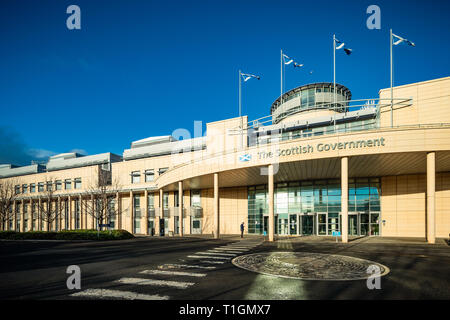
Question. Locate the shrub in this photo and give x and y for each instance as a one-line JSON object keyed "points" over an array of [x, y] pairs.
{"points": [[67, 235]]}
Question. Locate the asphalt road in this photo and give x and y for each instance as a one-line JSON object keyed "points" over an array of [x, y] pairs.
{"points": [[200, 268]]}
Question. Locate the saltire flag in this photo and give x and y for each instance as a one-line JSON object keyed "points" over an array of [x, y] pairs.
{"points": [[247, 76], [397, 40], [288, 60], [341, 45]]}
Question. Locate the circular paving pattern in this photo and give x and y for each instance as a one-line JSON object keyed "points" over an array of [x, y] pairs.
{"points": [[308, 266]]}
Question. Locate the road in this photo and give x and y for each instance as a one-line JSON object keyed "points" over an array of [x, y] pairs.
{"points": [[200, 268]]}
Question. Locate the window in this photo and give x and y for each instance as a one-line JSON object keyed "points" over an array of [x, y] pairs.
{"points": [[32, 187], [24, 188], [162, 170], [195, 198], [58, 185], [40, 187], [135, 177], [49, 186], [67, 184], [17, 189], [149, 175], [77, 183]]}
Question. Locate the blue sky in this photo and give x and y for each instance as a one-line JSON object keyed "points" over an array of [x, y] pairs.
{"points": [[145, 68]]}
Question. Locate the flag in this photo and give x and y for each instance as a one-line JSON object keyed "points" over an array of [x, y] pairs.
{"points": [[288, 60], [341, 45], [247, 76], [400, 40]]}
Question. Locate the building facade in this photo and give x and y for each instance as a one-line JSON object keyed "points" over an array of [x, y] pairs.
{"points": [[320, 163]]}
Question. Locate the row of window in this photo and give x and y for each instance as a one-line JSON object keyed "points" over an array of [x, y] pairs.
{"points": [[149, 175], [310, 94], [48, 186], [360, 125]]}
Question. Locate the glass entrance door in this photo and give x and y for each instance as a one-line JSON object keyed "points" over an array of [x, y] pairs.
{"points": [[353, 225], [196, 227], [307, 225], [293, 224], [283, 226], [177, 225], [266, 225]]}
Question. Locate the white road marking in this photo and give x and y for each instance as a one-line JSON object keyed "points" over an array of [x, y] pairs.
{"points": [[217, 253], [212, 257], [212, 262], [174, 273], [152, 282], [107, 293], [230, 250], [225, 251], [189, 266]]}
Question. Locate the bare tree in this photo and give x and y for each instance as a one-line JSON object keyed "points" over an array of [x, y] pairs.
{"points": [[50, 208], [100, 202], [8, 196]]}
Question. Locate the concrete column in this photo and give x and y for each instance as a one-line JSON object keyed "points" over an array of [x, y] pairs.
{"points": [[71, 220], [187, 203], [14, 216], [145, 224], [117, 212], [270, 187], [22, 222], [159, 213], [82, 217], [59, 213], [94, 226], [344, 198], [431, 199], [216, 207], [180, 206], [131, 212], [39, 218]]}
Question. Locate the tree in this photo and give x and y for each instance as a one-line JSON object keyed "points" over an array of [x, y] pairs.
{"points": [[100, 202], [8, 196], [50, 208]]}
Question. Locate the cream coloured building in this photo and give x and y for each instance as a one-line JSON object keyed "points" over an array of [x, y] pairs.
{"points": [[376, 167]]}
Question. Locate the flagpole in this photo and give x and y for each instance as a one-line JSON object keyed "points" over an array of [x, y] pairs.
{"points": [[240, 112], [281, 89], [334, 78], [392, 95]]}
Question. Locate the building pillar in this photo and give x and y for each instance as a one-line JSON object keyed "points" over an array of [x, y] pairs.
{"points": [[180, 206], [131, 212], [271, 203], [145, 224], [14, 216], [39, 217], [71, 220], [431, 199], [344, 198], [59, 214], [159, 213], [117, 212], [22, 222], [216, 207]]}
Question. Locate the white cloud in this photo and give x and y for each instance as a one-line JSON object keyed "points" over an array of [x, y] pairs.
{"points": [[40, 153], [80, 151]]}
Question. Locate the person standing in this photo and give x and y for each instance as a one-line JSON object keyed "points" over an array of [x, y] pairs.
{"points": [[242, 230]]}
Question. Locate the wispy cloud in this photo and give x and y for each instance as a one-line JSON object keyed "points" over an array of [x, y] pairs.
{"points": [[80, 151], [14, 151], [40, 153]]}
